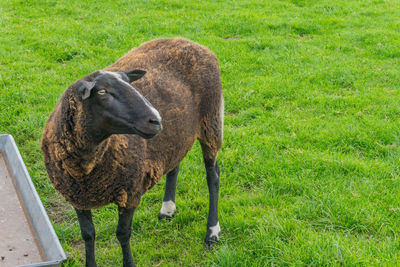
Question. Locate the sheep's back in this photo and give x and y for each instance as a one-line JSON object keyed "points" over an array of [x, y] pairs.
{"points": [[180, 83]]}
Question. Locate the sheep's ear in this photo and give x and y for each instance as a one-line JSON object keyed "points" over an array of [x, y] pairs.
{"points": [[134, 75], [86, 88]]}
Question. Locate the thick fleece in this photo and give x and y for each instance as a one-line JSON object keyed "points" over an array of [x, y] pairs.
{"points": [[182, 82]]}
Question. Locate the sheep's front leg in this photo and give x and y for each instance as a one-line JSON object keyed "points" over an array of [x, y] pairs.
{"points": [[213, 228], [124, 234], [88, 234], [168, 206]]}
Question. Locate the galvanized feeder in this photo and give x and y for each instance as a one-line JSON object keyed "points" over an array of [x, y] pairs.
{"points": [[27, 237]]}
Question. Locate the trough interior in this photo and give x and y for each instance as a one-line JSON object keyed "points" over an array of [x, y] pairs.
{"points": [[18, 243]]}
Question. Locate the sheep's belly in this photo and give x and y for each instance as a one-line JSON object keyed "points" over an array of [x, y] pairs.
{"points": [[86, 195]]}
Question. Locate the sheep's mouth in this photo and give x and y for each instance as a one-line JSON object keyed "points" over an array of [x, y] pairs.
{"points": [[143, 134], [126, 127]]}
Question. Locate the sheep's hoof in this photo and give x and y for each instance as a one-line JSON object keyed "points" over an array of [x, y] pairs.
{"points": [[168, 210], [212, 236], [209, 242], [162, 216]]}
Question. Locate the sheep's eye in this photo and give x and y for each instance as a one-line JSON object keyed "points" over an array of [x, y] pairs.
{"points": [[101, 92]]}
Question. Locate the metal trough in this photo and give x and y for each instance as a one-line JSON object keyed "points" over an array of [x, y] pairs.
{"points": [[27, 237]]}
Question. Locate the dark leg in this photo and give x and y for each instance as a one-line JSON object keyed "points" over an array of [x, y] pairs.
{"points": [[213, 228], [168, 207], [210, 138], [124, 234], [88, 234]]}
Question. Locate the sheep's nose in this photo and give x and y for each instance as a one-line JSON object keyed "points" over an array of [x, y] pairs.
{"points": [[156, 122]]}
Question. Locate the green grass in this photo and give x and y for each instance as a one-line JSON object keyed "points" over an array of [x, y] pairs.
{"points": [[310, 162]]}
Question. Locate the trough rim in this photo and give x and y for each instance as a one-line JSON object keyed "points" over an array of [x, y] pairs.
{"points": [[37, 215]]}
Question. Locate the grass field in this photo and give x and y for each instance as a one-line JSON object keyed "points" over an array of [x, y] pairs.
{"points": [[310, 162]]}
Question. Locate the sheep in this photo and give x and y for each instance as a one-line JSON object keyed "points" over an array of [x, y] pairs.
{"points": [[105, 143]]}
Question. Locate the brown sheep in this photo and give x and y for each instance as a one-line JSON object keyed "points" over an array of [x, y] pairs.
{"points": [[104, 141]]}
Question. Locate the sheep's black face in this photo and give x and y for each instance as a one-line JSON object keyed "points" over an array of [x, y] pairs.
{"points": [[114, 106]]}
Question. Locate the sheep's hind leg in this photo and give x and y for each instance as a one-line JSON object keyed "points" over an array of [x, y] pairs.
{"points": [[213, 228], [124, 234], [168, 206], [211, 140], [88, 234]]}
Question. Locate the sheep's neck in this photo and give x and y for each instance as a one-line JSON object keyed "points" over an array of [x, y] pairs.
{"points": [[83, 148], [81, 160]]}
